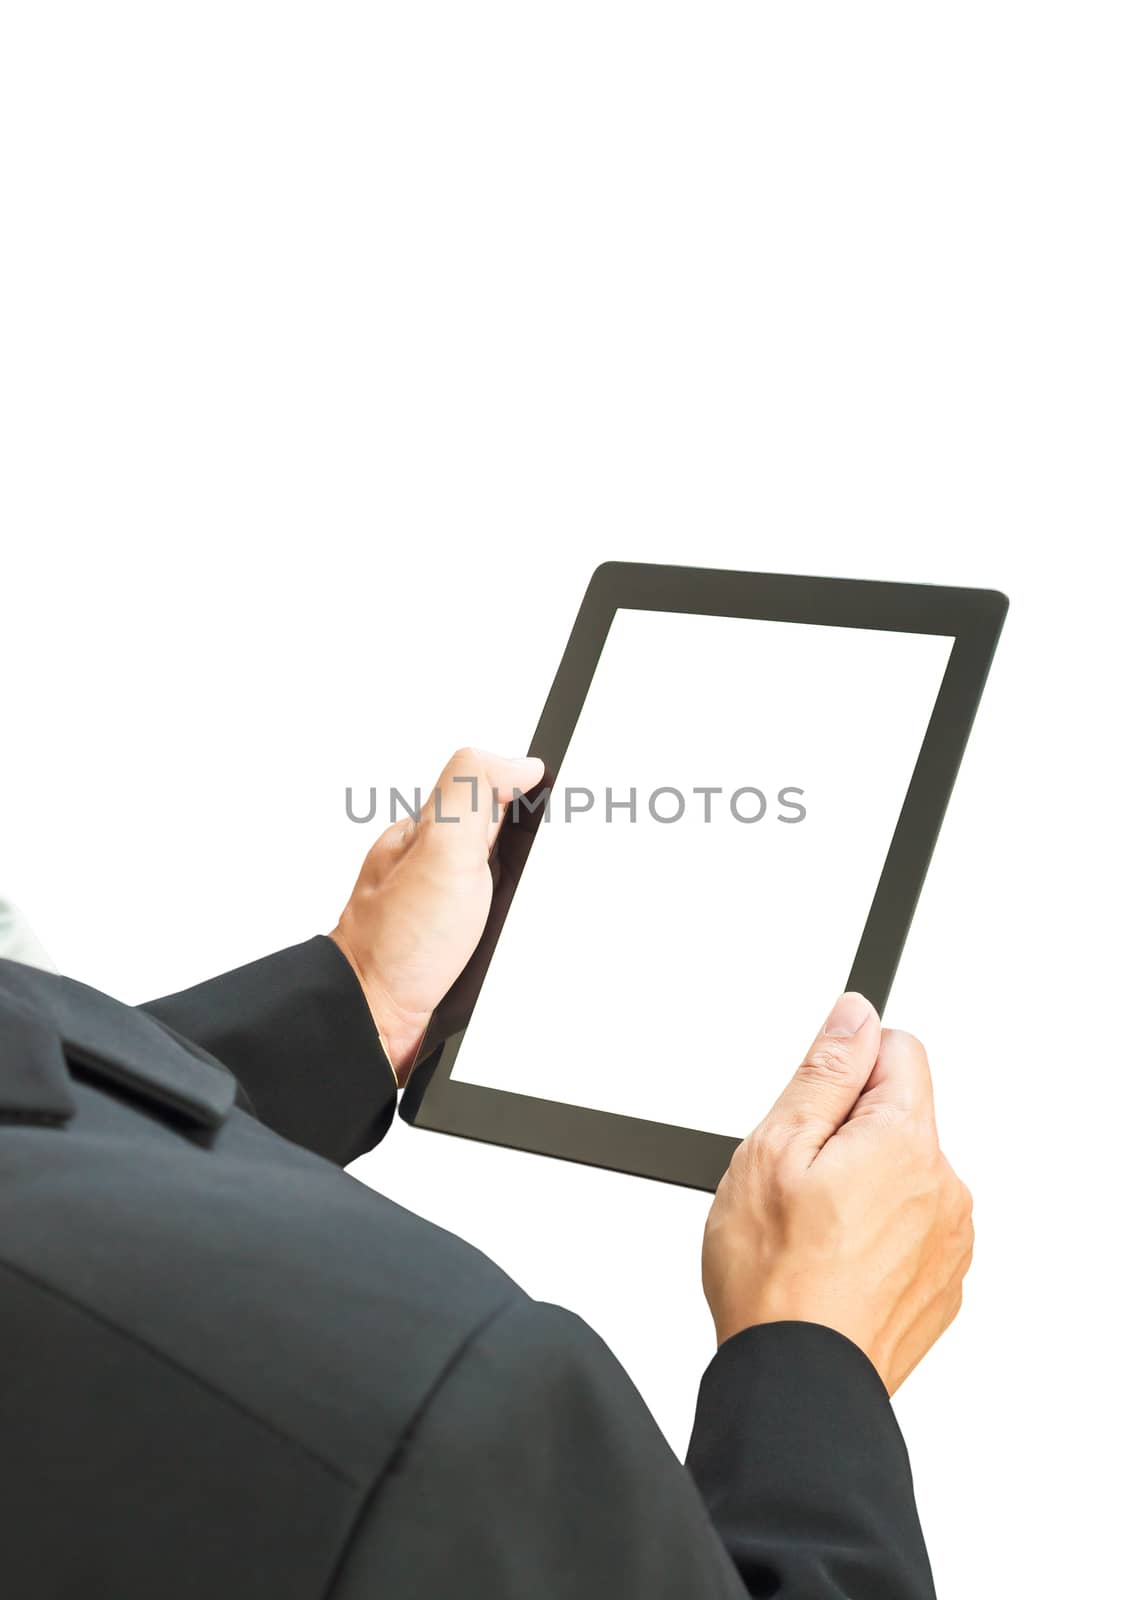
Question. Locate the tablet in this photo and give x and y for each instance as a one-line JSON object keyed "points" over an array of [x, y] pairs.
{"points": [[745, 775]]}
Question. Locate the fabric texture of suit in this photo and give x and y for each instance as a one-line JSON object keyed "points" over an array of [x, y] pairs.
{"points": [[227, 1369]]}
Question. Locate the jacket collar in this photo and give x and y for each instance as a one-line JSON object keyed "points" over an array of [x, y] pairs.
{"points": [[50, 1024]]}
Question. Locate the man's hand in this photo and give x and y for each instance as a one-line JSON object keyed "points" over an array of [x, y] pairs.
{"points": [[421, 901], [840, 1208]]}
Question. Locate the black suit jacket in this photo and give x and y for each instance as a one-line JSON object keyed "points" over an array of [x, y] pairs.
{"points": [[227, 1369]]}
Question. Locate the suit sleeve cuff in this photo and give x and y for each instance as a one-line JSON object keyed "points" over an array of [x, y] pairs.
{"points": [[794, 1432], [297, 1033]]}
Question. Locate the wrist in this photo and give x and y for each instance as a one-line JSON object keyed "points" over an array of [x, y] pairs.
{"points": [[793, 1301], [400, 1041], [399, 1031]]}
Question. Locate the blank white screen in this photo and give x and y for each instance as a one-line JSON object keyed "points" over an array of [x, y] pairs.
{"points": [[677, 971]]}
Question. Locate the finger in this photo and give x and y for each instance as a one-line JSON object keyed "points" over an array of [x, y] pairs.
{"points": [[460, 812], [826, 1086], [395, 837], [521, 775], [900, 1080]]}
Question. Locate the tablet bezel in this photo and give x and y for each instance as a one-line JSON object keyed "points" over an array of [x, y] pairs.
{"points": [[973, 618]]}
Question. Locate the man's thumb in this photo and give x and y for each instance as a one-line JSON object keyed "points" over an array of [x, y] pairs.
{"points": [[826, 1086]]}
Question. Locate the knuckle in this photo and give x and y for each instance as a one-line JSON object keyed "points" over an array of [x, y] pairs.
{"points": [[384, 848], [889, 1119], [738, 1166], [959, 1224], [763, 1154], [905, 1040], [914, 1142], [721, 1200], [949, 1179], [959, 1194], [758, 1147], [829, 1060], [770, 1139], [922, 1130]]}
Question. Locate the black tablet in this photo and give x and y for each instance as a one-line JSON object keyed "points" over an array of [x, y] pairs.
{"points": [[745, 777]]}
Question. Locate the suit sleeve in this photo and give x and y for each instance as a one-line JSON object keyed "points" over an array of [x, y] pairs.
{"points": [[801, 1464], [296, 1031], [536, 1469]]}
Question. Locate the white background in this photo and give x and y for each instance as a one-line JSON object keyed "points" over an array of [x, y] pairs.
{"points": [[671, 970], [337, 346]]}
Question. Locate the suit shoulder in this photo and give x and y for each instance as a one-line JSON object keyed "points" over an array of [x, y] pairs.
{"points": [[538, 1417], [287, 1286]]}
